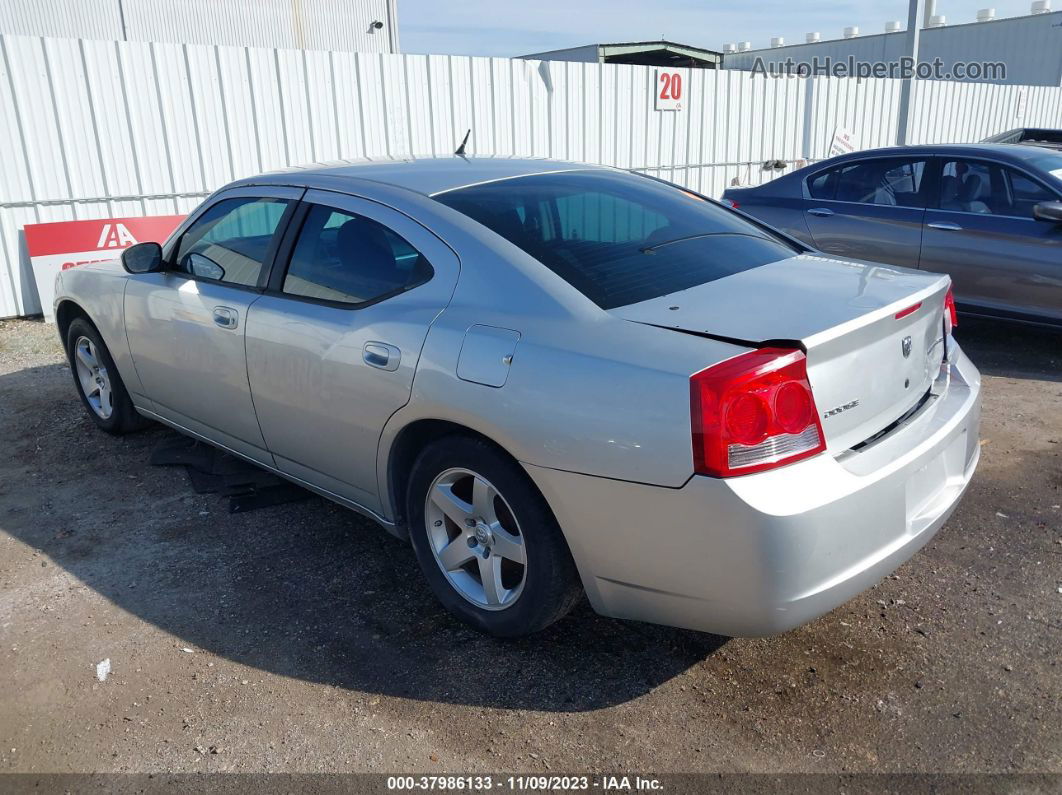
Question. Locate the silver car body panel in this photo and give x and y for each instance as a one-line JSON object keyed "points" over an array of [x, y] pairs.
{"points": [[427, 176], [764, 553], [318, 358], [99, 288], [594, 404], [194, 370]]}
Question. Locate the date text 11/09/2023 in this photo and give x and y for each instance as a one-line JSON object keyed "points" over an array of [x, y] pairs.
{"points": [[534, 783]]}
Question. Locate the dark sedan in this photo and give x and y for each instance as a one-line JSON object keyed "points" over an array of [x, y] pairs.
{"points": [[990, 215]]}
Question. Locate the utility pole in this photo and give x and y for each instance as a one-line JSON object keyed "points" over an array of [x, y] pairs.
{"points": [[121, 18], [915, 13]]}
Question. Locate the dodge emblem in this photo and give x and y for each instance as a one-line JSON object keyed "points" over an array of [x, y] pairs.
{"points": [[905, 346]]}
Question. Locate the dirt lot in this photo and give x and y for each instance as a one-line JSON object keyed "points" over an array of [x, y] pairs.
{"points": [[299, 638]]}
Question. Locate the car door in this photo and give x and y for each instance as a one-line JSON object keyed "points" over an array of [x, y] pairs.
{"points": [[332, 347], [982, 233], [869, 209], [186, 325]]}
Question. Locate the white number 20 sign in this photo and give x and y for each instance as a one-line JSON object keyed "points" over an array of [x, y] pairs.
{"points": [[668, 90]]}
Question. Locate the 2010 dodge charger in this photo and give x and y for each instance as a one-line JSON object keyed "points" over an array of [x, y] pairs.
{"points": [[552, 378]]}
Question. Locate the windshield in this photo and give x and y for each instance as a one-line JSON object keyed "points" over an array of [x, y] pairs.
{"points": [[619, 238], [1051, 163]]}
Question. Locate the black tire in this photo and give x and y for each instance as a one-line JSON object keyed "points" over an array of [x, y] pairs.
{"points": [[123, 418], [551, 585]]}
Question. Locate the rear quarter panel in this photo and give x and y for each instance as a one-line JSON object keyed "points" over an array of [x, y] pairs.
{"points": [[586, 391], [614, 404], [784, 214]]}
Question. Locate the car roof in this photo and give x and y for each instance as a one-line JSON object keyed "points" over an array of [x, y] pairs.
{"points": [[428, 175], [1013, 152]]}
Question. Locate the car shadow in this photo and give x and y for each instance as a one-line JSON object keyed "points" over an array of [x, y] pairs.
{"points": [[1009, 350], [307, 590]]}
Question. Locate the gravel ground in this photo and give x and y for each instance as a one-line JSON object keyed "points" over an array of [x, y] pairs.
{"points": [[299, 637]]}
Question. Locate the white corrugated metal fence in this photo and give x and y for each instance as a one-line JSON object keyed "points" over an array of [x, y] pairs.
{"points": [[94, 129]]}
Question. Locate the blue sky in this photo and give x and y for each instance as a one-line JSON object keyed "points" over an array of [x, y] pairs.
{"points": [[482, 27]]}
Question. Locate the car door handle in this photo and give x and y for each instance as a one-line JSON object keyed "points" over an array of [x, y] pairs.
{"points": [[945, 226], [226, 317], [381, 355], [822, 212]]}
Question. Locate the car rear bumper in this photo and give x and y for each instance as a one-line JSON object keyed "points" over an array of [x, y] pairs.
{"points": [[761, 554]]}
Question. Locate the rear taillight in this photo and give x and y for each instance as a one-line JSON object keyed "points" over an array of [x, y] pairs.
{"points": [[951, 317], [754, 412], [730, 203]]}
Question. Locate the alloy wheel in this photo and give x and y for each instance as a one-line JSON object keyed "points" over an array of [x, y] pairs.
{"points": [[476, 539], [92, 375]]}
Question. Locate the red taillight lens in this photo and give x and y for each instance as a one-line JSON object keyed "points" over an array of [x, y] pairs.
{"points": [[747, 419], [753, 412], [793, 407], [730, 203], [951, 317]]}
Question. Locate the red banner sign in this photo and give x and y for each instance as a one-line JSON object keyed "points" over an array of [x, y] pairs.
{"points": [[61, 245], [105, 234]]}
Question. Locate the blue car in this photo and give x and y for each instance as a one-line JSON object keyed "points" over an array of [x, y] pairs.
{"points": [[989, 215]]}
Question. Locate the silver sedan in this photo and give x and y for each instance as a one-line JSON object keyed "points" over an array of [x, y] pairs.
{"points": [[553, 379]]}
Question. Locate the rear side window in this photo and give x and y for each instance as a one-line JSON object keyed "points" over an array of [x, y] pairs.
{"points": [[885, 182], [351, 259], [230, 241], [618, 238], [824, 184]]}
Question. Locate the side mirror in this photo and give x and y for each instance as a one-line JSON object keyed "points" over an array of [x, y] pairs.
{"points": [[1048, 211], [142, 258]]}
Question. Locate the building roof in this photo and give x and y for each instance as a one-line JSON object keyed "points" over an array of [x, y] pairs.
{"points": [[1022, 50], [978, 27], [659, 52]]}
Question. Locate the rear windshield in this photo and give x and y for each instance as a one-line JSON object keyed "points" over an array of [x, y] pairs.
{"points": [[618, 238], [1044, 136]]}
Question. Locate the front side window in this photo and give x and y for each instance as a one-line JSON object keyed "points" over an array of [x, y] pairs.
{"points": [[889, 182], [973, 186], [1025, 193], [966, 186], [618, 238], [1049, 165], [349, 259], [230, 241]]}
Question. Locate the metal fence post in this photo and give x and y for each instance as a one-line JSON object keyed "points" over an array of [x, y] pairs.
{"points": [[914, 24]]}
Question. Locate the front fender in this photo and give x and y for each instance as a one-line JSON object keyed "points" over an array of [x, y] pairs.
{"points": [[98, 292]]}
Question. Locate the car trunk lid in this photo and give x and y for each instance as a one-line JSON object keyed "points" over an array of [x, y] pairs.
{"points": [[873, 334]]}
